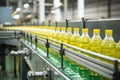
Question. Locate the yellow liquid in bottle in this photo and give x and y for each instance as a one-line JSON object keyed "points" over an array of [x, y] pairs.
{"points": [[84, 40], [108, 44], [57, 33], [95, 42], [53, 33], [68, 35], [45, 31], [62, 33], [74, 40], [118, 50]]}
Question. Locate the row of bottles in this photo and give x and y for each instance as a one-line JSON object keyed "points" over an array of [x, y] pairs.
{"points": [[107, 46]]}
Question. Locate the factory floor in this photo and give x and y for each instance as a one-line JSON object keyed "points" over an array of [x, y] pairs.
{"points": [[8, 74]]}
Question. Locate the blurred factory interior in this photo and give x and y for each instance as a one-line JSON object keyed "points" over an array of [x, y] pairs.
{"points": [[59, 39], [37, 11]]}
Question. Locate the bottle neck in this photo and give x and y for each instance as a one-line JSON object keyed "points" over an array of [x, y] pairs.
{"points": [[84, 34], [63, 31], [119, 42], [53, 31], [96, 36], [69, 32], [109, 37], [57, 31], [76, 32]]}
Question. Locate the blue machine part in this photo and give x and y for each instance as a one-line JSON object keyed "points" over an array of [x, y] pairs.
{"points": [[5, 14]]}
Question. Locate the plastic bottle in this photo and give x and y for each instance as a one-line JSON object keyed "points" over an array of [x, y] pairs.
{"points": [[95, 42], [68, 35], [52, 32], [74, 40], [57, 33], [85, 39], [62, 33], [42, 31], [46, 31], [108, 44], [118, 50], [49, 32]]}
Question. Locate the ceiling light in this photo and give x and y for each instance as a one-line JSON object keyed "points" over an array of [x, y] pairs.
{"points": [[18, 9], [16, 16], [52, 11], [26, 5], [60, 4]]}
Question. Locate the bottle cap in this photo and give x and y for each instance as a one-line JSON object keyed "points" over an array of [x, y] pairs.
{"points": [[108, 31], [53, 28], [69, 29], [63, 28], [58, 28], [85, 30], [76, 29], [96, 30]]}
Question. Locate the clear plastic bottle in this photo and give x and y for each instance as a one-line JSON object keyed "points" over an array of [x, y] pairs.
{"points": [[118, 50], [95, 42], [85, 39], [108, 44], [74, 40], [57, 33], [46, 31], [62, 33], [52, 32], [49, 32], [68, 35]]}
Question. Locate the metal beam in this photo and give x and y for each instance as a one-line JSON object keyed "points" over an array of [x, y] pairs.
{"points": [[48, 4], [41, 11], [109, 8], [57, 15], [80, 8], [65, 8]]}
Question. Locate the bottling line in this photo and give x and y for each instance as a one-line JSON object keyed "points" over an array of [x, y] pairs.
{"points": [[42, 58]]}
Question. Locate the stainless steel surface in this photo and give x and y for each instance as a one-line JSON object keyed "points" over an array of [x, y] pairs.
{"points": [[28, 63], [35, 74], [53, 67], [90, 59], [9, 32], [105, 19], [93, 64], [103, 71], [93, 53]]}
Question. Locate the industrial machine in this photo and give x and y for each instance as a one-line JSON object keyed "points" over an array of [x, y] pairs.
{"points": [[48, 59]]}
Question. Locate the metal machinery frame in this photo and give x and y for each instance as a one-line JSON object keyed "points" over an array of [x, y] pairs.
{"points": [[7, 38], [101, 24], [32, 42], [104, 69]]}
